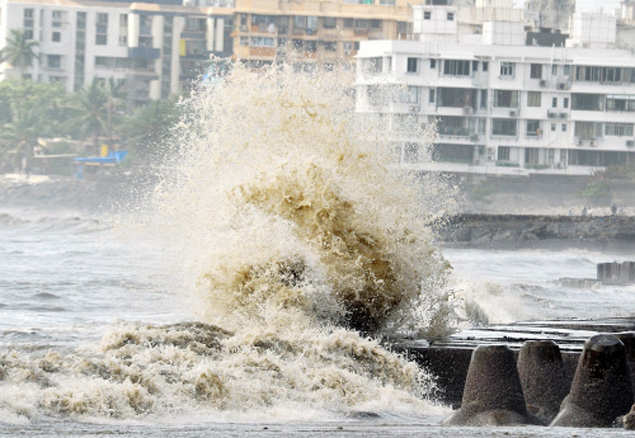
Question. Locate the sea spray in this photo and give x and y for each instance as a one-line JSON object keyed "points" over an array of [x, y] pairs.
{"points": [[292, 231]]}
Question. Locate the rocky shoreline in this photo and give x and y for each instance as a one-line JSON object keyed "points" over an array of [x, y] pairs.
{"points": [[493, 229]]}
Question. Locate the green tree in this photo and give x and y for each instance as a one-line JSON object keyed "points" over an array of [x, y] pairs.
{"points": [[149, 125], [19, 51], [98, 110], [29, 110]]}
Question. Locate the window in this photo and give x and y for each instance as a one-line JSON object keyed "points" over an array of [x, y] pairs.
{"points": [[566, 69], [28, 23], [564, 127], [620, 103], [375, 24], [533, 98], [244, 41], [554, 70], [485, 65], [587, 102], [57, 18], [553, 127], [504, 126], [433, 63], [533, 128], [348, 22], [123, 30], [507, 69], [412, 65], [619, 129], [535, 71], [431, 95], [483, 98], [331, 46], [101, 30], [371, 65], [54, 61], [450, 16], [328, 22], [504, 153], [56, 37], [532, 156], [506, 98], [474, 65], [427, 15], [565, 102], [554, 102], [410, 95], [456, 67]]}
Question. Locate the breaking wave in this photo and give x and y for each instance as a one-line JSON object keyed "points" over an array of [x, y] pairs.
{"points": [[295, 239]]}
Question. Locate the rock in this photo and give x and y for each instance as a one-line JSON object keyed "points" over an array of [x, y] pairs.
{"points": [[629, 419], [492, 395], [543, 379], [601, 389]]}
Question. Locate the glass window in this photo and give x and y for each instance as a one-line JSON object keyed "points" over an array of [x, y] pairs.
{"points": [[412, 65], [533, 128], [535, 71], [507, 69], [504, 153], [534, 98], [450, 16], [427, 15]]}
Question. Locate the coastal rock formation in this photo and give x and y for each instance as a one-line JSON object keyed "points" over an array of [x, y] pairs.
{"points": [[492, 395], [543, 378], [601, 389]]}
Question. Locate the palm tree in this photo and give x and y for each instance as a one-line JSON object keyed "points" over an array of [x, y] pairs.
{"points": [[19, 51], [97, 109]]}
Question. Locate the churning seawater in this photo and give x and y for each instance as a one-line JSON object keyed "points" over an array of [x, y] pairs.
{"points": [[232, 303]]}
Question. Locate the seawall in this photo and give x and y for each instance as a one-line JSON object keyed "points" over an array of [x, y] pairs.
{"points": [[491, 229]]}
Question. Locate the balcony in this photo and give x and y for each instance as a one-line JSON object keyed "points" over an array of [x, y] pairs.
{"points": [[147, 53]]}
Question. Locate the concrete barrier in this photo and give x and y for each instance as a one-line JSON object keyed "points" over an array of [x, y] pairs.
{"points": [[601, 389], [492, 395], [543, 378], [616, 273]]}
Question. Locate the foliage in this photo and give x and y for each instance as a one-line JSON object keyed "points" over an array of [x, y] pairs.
{"points": [[598, 190], [19, 50], [31, 110]]}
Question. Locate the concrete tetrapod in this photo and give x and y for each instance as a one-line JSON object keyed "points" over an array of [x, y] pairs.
{"points": [[542, 378], [628, 339], [601, 389], [492, 395], [629, 419]]}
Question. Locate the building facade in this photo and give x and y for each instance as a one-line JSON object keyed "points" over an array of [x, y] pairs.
{"points": [[158, 48], [152, 48], [502, 109]]}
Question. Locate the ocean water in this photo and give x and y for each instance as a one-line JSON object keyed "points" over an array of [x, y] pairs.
{"points": [[239, 298]]}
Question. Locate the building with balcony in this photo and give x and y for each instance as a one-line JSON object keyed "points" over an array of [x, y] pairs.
{"points": [[315, 33], [501, 107], [155, 49]]}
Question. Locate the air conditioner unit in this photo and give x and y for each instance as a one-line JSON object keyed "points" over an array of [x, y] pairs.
{"points": [[512, 113], [414, 108], [543, 83], [552, 115], [562, 86], [592, 141], [630, 143]]}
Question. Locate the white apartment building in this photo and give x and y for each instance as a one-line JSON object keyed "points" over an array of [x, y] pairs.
{"points": [[155, 49], [502, 108]]}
